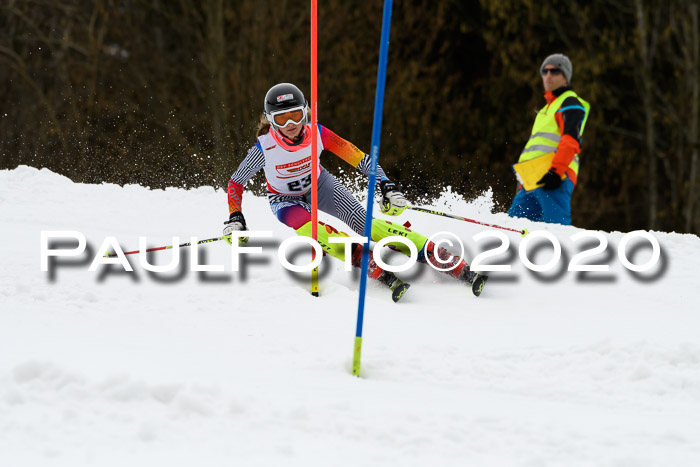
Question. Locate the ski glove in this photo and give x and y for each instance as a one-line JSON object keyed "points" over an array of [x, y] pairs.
{"points": [[393, 201], [235, 222], [551, 180]]}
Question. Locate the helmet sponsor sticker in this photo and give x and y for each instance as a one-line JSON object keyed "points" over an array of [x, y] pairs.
{"points": [[285, 97]]}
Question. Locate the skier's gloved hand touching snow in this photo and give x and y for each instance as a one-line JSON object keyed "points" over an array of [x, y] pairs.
{"points": [[393, 201], [235, 222]]}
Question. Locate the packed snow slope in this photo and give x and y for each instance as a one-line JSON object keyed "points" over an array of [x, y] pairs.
{"points": [[182, 368]]}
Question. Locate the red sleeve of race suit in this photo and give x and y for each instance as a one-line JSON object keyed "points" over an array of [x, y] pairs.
{"points": [[340, 147], [349, 153], [253, 162], [235, 196]]}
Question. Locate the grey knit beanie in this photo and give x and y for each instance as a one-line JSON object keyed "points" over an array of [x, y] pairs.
{"points": [[560, 61]]}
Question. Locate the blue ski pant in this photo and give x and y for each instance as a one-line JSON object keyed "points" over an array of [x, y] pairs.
{"points": [[553, 206]]}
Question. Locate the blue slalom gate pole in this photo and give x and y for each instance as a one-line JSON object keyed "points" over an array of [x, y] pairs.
{"points": [[374, 156]]}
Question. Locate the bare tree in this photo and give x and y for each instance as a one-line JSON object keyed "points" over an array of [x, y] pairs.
{"points": [[693, 78], [647, 37]]}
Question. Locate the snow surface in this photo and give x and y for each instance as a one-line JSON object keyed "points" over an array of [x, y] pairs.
{"points": [[110, 368]]}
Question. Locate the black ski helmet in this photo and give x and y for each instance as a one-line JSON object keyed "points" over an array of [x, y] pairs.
{"points": [[284, 96]]}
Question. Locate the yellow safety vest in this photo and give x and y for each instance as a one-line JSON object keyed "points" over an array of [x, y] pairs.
{"points": [[546, 134]]}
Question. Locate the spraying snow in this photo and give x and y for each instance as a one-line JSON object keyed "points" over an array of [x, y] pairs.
{"points": [[115, 368]]}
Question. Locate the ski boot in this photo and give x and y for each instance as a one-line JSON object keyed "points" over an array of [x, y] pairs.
{"points": [[388, 278]]}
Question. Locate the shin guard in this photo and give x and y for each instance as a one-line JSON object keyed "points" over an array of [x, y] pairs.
{"points": [[382, 229], [325, 231], [337, 250]]}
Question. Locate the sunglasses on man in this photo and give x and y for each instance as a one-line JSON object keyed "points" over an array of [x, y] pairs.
{"points": [[552, 71]]}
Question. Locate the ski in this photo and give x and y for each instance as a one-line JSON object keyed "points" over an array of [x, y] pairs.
{"points": [[398, 289], [397, 286], [478, 284]]}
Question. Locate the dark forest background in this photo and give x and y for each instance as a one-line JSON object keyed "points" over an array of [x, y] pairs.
{"points": [[169, 92]]}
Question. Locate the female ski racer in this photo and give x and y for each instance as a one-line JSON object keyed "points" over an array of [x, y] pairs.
{"points": [[283, 150]]}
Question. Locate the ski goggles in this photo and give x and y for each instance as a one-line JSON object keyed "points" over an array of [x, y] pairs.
{"points": [[283, 118]]}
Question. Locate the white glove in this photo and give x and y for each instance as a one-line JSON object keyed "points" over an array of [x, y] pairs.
{"points": [[235, 223], [393, 201]]}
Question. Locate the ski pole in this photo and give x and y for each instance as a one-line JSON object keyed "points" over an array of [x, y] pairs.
{"points": [[522, 232], [241, 241]]}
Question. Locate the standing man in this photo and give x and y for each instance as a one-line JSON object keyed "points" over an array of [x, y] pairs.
{"points": [[556, 136]]}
